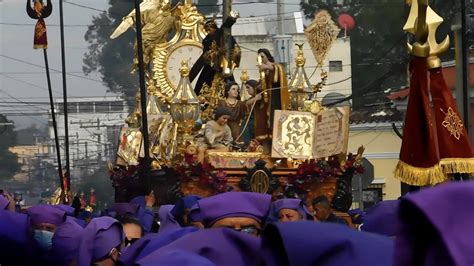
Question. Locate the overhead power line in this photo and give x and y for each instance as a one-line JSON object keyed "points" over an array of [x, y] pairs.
{"points": [[52, 69]]}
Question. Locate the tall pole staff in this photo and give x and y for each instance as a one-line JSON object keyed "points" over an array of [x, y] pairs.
{"points": [[55, 125], [465, 72], [66, 121], [40, 12], [143, 93]]}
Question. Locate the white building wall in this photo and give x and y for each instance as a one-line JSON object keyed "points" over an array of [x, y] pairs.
{"points": [[90, 120], [339, 81], [255, 33]]}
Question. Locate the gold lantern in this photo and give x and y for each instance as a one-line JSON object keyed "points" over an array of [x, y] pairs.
{"points": [[184, 106], [244, 77], [299, 87]]}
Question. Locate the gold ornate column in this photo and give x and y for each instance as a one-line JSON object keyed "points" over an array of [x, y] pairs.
{"points": [[184, 108], [299, 87]]}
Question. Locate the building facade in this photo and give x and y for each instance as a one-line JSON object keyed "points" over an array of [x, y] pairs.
{"points": [[382, 149], [94, 128], [30, 158], [261, 32]]}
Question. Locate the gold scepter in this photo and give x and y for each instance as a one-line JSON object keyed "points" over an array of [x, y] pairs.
{"points": [[263, 80]]}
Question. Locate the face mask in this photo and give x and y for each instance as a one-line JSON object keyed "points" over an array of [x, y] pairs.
{"points": [[44, 239]]}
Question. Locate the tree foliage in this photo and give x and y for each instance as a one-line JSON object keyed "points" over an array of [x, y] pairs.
{"points": [[113, 58], [8, 161], [29, 135], [378, 43]]}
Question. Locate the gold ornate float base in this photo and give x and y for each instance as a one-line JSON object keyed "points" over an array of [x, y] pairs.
{"points": [[327, 187], [233, 160]]}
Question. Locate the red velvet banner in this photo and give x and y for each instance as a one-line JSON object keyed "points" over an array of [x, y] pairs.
{"points": [[455, 149], [40, 40], [419, 159]]}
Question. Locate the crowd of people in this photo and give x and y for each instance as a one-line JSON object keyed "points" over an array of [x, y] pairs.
{"points": [[430, 227]]}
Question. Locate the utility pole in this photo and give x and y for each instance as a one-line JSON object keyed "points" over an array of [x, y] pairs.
{"points": [[143, 91], [67, 174], [462, 70], [280, 16]]}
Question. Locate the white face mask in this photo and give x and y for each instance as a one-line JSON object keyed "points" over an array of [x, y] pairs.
{"points": [[44, 239]]}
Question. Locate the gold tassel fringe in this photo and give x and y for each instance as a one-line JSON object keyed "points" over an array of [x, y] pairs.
{"points": [[418, 176], [40, 46], [457, 165]]}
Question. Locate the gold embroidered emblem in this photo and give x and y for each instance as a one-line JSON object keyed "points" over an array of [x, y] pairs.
{"points": [[453, 123], [321, 35]]}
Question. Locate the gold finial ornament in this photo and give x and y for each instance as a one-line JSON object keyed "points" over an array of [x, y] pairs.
{"points": [[244, 77], [184, 70], [299, 86], [300, 59], [152, 106], [321, 34], [423, 23]]}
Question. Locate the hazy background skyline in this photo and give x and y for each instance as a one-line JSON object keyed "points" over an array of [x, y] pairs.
{"points": [[22, 72]]}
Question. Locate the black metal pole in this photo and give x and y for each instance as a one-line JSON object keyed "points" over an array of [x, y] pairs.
{"points": [[465, 83], [143, 93], [465, 72], [66, 121], [53, 117]]}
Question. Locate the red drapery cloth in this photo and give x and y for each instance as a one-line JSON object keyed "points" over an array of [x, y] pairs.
{"points": [[419, 157], [40, 40], [455, 150]]}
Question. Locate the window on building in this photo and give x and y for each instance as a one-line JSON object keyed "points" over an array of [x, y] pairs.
{"points": [[335, 66], [60, 107], [116, 106], [370, 196], [86, 107], [101, 107], [72, 107]]}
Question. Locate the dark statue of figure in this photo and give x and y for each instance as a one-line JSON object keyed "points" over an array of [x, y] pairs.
{"points": [[213, 59]]}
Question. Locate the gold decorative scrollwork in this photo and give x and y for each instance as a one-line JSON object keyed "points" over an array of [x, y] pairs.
{"points": [[211, 95], [299, 131], [321, 34], [160, 67], [296, 134], [453, 123], [189, 31]]}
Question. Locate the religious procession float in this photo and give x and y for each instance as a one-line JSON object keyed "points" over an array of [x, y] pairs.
{"points": [[196, 130], [201, 132]]}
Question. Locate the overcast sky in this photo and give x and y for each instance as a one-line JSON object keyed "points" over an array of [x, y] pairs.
{"points": [[22, 73]]}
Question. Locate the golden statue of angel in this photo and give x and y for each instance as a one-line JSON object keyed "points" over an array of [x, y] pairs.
{"points": [[158, 18]]}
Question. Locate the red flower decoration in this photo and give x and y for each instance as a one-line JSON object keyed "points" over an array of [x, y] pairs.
{"points": [[202, 173], [312, 170]]}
